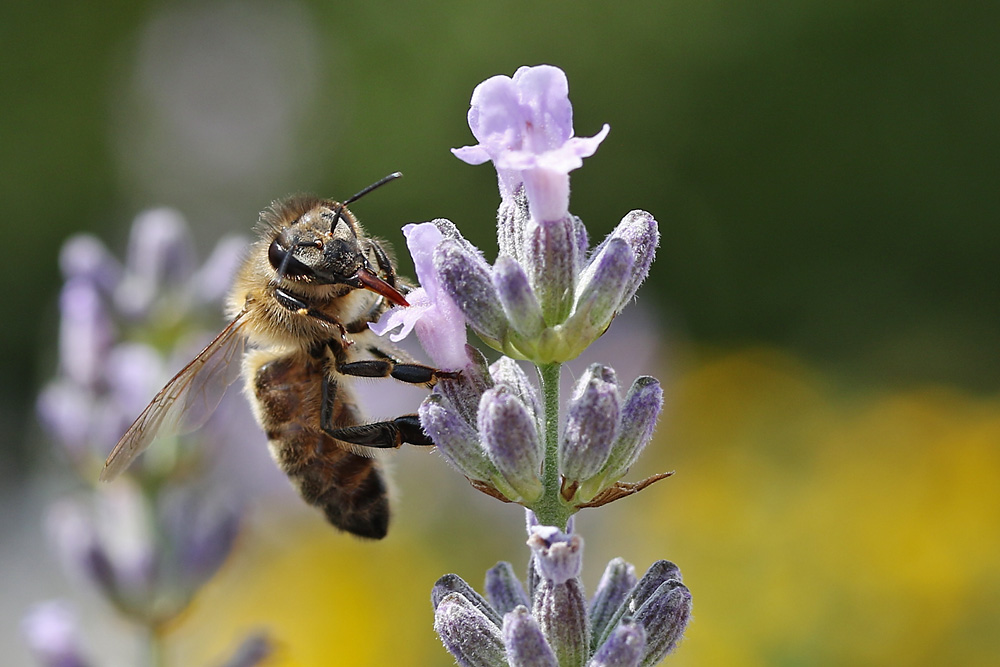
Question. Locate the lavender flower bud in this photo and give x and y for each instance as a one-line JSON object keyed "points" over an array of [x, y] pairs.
{"points": [[508, 372], [559, 603], [602, 285], [452, 583], [617, 582], [472, 638], [512, 224], [591, 424], [466, 279], [450, 231], [526, 645], [159, 253], [664, 616], [503, 588], [456, 440], [201, 531], [463, 393], [659, 573], [510, 438], [51, 631], [624, 648], [638, 420], [86, 332], [642, 406], [639, 229], [517, 297], [83, 256], [551, 267], [212, 281]]}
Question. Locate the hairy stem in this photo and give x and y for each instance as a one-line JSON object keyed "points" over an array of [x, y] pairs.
{"points": [[550, 509]]}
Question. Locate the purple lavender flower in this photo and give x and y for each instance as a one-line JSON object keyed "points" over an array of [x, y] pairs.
{"points": [[626, 624], [124, 329], [147, 554], [148, 542], [438, 322], [546, 298], [525, 127]]}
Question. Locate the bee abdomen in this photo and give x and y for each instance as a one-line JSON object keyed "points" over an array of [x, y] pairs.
{"points": [[348, 488]]}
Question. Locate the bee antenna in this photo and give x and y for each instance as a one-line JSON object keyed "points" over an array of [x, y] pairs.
{"points": [[358, 195]]}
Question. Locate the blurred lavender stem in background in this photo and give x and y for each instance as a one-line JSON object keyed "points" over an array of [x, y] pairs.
{"points": [[151, 540]]}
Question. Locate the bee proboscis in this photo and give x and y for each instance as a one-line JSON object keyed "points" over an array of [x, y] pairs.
{"points": [[300, 308]]}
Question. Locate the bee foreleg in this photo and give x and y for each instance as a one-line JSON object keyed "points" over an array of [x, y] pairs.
{"points": [[387, 434]]}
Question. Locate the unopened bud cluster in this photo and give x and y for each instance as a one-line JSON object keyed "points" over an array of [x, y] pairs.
{"points": [[488, 424], [628, 622], [547, 296]]}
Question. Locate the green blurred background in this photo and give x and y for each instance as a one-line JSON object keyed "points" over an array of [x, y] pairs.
{"points": [[824, 307]]}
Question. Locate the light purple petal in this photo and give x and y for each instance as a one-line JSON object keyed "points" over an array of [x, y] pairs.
{"points": [[525, 126], [544, 91], [438, 322]]}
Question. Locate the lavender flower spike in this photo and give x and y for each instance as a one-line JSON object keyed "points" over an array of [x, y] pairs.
{"points": [[525, 127]]}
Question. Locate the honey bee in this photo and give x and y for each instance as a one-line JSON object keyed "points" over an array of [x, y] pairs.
{"points": [[300, 307]]}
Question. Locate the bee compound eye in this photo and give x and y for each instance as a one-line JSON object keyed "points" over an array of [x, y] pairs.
{"points": [[276, 253], [284, 262]]}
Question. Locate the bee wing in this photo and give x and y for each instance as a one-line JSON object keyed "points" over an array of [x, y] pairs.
{"points": [[187, 401]]}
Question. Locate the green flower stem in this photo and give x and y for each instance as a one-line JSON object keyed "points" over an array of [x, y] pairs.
{"points": [[550, 509]]}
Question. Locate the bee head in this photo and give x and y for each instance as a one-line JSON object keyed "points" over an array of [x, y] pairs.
{"points": [[325, 246]]}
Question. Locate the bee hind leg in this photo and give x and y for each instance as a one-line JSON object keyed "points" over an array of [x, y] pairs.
{"points": [[384, 435]]}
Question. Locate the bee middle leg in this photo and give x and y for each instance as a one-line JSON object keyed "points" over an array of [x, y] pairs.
{"points": [[383, 435], [388, 366]]}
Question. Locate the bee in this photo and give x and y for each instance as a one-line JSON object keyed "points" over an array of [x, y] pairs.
{"points": [[300, 307]]}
